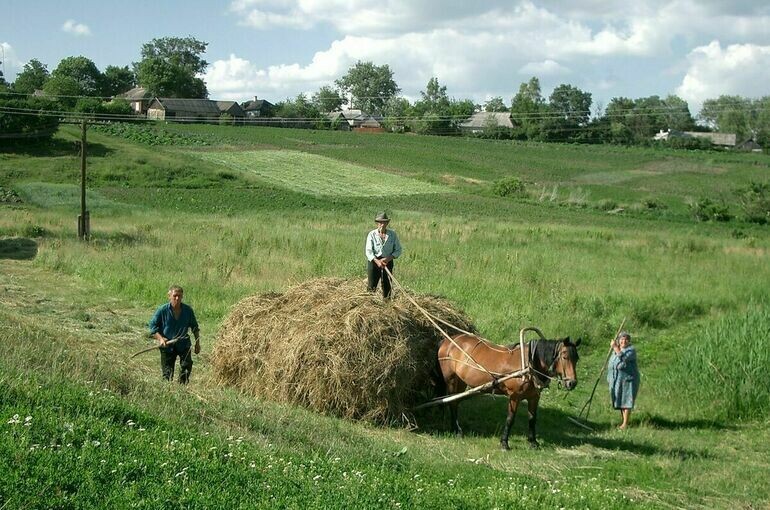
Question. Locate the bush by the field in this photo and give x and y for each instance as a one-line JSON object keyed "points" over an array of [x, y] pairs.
{"points": [[755, 202], [706, 209], [509, 187], [333, 347]]}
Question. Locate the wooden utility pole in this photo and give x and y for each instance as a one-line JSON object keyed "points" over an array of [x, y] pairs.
{"points": [[84, 223]]}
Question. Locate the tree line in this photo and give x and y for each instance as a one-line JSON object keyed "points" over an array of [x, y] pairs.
{"points": [[171, 66]]}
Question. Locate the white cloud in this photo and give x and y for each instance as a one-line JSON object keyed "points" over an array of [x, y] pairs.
{"points": [[482, 49], [10, 59], [544, 68], [738, 69], [72, 27]]}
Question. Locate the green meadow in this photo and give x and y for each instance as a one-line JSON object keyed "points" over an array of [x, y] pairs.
{"points": [[598, 234]]}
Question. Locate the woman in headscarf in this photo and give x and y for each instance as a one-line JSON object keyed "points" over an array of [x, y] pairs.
{"points": [[623, 376]]}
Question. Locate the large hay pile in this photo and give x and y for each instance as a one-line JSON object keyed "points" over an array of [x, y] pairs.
{"points": [[333, 347]]}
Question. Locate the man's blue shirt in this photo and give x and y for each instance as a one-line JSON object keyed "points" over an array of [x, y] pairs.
{"points": [[166, 324]]}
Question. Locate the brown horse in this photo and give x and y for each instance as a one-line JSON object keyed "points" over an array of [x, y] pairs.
{"points": [[547, 358]]}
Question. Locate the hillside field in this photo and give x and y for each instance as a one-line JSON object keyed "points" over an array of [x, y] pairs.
{"points": [[588, 236]]}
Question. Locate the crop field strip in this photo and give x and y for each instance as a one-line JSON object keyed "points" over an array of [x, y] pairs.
{"points": [[319, 175]]}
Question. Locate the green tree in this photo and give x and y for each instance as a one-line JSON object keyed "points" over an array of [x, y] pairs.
{"points": [[762, 122], [327, 99], [63, 90], [618, 117], [26, 128], [728, 114], [434, 99], [527, 110], [495, 104], [89, 80], [298, 108], [431, 112], [170, 67], [118, 80], [31, 78], [677, 114], [371, 86], [397, 111]]}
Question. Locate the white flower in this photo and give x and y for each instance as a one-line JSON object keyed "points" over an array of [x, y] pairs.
{"points": [[14, 420]]}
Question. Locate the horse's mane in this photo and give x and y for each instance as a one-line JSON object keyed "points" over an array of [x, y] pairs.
{"points": [[543, 349]]}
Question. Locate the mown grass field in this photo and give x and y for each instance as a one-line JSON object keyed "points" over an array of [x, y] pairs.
{"points": [[602, 233]]}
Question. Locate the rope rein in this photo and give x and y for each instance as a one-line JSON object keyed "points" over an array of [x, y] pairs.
{"points": [[434, 323]]}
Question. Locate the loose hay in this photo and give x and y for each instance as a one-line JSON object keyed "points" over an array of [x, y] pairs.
{"points": [[333, 347]]}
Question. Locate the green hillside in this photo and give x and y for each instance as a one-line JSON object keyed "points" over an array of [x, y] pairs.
{"points": [[597, 234]]}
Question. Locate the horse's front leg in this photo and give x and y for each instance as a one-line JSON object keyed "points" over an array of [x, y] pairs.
{"points": [[512, 406], [532, 415]]}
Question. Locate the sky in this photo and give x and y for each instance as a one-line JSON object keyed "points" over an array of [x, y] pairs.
{"points": [[478, 49]]}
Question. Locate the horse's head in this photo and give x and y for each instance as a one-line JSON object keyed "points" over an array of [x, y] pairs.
{"points": [[565, 358]]}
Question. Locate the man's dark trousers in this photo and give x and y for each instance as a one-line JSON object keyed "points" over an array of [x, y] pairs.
{"points": [[374, 274]]}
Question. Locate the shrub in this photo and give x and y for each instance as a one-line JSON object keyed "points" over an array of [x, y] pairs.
{"points": [[755, 202], [509, 187], [20, 128], [705, 209], [689, 143]]}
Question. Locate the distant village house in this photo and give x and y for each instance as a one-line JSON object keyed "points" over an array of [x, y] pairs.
{"points": [[355, 120], [258, 108], [727, 140], [183, 110], [138, 97]]}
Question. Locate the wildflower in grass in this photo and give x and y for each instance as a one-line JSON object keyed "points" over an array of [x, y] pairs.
{"points": [[96, 443], [130, 423], [15, 420]]}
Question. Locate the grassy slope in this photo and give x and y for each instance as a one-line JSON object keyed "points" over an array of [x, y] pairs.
{"points": [[517, 263]]}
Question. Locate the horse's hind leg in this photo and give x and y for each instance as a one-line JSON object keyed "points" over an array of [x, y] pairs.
{"points": [[512, 406], [455, 385], [532, 415]]}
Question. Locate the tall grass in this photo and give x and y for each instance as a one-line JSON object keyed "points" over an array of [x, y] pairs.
{"points": [[724, 367]]}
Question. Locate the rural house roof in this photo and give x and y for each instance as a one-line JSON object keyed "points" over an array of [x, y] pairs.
{"points": [[726, 139], [481, 120], [256, 104], [135, 94], [355, 118], [231, 107], [186, 107]]}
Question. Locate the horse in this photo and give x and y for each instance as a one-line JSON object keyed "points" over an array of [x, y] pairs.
{"points": [[483, 362]]}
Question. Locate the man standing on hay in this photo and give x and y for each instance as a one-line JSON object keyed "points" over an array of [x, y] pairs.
{"points": [[169, 326], [382, 246]]}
